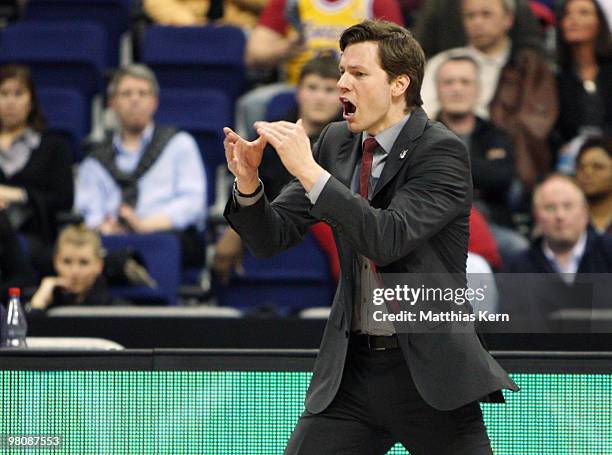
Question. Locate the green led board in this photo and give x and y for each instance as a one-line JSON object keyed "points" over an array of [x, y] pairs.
{"points": [[249, 413]]}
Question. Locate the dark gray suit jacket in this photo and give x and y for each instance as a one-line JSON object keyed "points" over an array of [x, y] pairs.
{"points": [[417, 222]]}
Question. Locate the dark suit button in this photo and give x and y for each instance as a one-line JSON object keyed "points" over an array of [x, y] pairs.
{"points": [[346, 333]]}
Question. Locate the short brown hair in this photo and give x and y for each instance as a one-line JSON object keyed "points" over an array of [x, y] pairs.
{"points": [[399, 53], [325, 66]]}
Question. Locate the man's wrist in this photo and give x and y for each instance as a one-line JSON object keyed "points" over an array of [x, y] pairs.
{"points": [[251, 194], [310, 176], [250, 186], [248, 199]]}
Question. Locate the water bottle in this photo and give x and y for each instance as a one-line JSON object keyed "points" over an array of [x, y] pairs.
{"points": [[15, 324]]}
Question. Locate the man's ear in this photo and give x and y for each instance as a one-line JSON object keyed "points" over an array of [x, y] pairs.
{"points": [[400, 85]]}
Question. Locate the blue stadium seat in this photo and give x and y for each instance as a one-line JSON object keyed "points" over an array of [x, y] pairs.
{"points": [[60, 54], [295, 279], [197, 57], [203, 113], [112, 15], [279, 105], [66, 113], [162, 256]]}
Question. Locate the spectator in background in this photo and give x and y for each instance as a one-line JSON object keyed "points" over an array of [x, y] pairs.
{"points": [[490, 148], [78, 262], [317, 105], [291, 32], [567, 245], [594, 176], [36, 181], [568, 250], [517, 88], [145, 178], [185, 13], [585, 77], [439, 26]]}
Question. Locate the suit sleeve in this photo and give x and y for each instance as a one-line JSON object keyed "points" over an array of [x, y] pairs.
{"points": [[439, 191]]}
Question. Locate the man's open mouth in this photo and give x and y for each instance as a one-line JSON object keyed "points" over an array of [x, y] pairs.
{"points": [[348, 107]]}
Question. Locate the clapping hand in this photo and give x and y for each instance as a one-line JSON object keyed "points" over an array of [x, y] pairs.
{"points": [[243, 159]]}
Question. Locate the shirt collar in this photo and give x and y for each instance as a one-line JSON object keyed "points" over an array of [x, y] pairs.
{"points": [[387, 138], [500, 59], [31, 138], [577, 251], [147, 134]]}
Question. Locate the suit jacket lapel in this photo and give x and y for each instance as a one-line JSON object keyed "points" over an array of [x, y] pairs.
{"points": [[346, 160], [405, 143]]}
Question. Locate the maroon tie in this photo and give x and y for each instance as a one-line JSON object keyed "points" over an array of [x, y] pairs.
{"points": [[369, 145]]}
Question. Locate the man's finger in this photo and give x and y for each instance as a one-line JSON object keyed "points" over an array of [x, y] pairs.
{"points": [[286, 124], [260, 142], [283, 123], [280, 130], [228, 131], [229, 152], [231, 136], [272, 136]]}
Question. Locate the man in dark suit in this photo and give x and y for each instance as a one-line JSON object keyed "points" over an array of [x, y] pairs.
{"points": [[372, 386]]}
